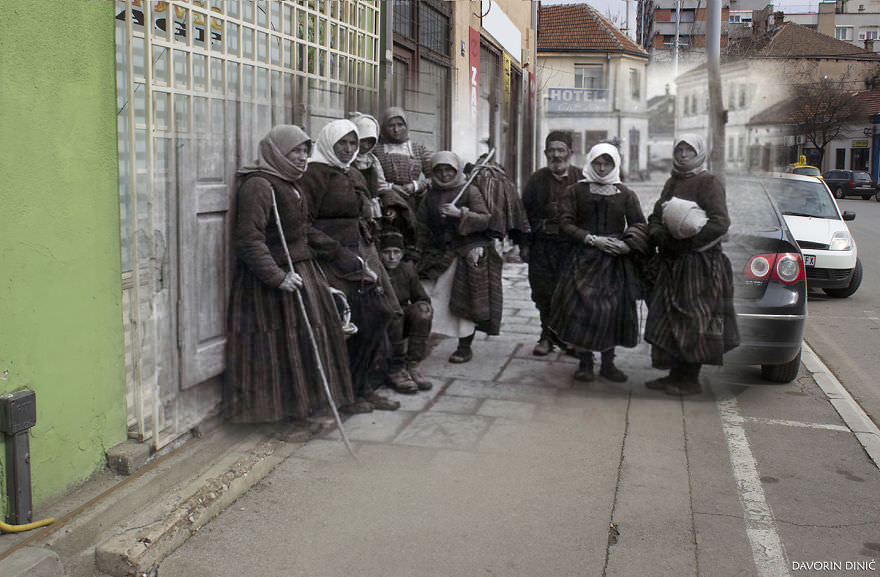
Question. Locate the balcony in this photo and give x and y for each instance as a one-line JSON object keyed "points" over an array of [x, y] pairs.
{"points": [[566, 100]]}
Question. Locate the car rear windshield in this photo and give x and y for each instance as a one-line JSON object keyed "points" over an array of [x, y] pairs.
{"points": [[749, 207], [807, 171], [802, 198]]}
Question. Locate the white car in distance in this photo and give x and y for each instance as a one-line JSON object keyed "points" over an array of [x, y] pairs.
{"points": [[830, 254]]}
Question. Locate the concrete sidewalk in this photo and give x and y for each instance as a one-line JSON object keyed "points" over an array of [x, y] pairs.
{"points": [[507, 467]]}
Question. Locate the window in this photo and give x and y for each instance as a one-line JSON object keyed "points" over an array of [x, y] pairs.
{"points": [[687, 15], [403, 18], [588, 76], [868, 35], [843, 32], [434, 30], [635, 83], [742, 96]]}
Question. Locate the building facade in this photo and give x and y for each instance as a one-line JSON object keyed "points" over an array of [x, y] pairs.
{"points": [[592, 82]]}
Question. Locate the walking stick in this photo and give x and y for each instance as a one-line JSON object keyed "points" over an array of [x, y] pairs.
{"points": [[317, 353], [473, 175]]}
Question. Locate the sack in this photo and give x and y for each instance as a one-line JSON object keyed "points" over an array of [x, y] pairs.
{"points": [[683, 218]]}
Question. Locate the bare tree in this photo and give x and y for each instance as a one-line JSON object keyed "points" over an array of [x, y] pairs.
{"points": [[822, 109]]}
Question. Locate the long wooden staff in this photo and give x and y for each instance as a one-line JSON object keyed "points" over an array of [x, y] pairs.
{"points": [[315, 350]]}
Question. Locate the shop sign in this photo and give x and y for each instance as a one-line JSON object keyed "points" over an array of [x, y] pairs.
{"points": [[860, 144], [162, 10], [474, 57], [575, 99]]}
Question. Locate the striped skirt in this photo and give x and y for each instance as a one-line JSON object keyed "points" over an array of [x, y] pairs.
{"points": [[272, 372], [690, 313], [594, 305]]}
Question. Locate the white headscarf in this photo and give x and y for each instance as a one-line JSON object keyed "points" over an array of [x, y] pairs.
{"points": [[602, 184], [695, 166], [330, 135]]}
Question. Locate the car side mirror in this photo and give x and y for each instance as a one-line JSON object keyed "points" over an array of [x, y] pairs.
{"points": [[849, 215]]}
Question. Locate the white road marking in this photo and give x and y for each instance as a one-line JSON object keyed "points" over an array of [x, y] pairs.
{"points": [[857, 421], [767, 550], [800, 424]]}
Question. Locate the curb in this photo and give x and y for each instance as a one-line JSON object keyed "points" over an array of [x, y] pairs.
{"points": [[137, 552]]}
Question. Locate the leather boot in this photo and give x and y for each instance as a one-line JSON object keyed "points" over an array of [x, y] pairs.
{"points": [[608, 370], [584, 371], [689, 383], [412, 367], [544, 346], [398, 376]]}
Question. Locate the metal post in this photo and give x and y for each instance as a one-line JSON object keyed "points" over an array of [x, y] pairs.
{"points": [[717, 114], [18, 478], [675, 48]]}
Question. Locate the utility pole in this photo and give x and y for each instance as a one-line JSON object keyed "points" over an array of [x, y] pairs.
{"points": [[675, 48], [717, 114]]}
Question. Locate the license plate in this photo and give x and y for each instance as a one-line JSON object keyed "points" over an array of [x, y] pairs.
{"points": [[809, 260]]}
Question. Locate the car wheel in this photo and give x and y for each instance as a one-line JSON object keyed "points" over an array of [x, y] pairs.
{"points": [[842, 293], [838, 193], [866, 196], [784, 373], [877, 197]]}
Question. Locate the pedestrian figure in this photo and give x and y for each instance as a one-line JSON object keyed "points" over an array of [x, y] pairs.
{"points": [[271, 366], [408, 334], [339, 204], [457, 257], [388, 207], [691, 321], [546, 249], [406, 165], [594, 306]]}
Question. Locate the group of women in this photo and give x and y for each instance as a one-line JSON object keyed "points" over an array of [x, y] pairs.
{"points": [[672, 259], [308, 217]]}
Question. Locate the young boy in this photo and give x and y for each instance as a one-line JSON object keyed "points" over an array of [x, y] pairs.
{"points": [[408, 334]]}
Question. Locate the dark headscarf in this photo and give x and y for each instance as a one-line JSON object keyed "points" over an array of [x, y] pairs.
{"points": [[696, 165], [393, 112], [273, 150]]}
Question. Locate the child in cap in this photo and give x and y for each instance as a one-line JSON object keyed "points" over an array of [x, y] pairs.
{"points": [[408, 334]]}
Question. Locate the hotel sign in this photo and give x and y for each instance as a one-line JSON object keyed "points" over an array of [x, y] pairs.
{"points": [[575, 99]]}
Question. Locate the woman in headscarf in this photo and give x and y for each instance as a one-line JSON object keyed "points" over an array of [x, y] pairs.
{"points": [[594, 305], [456, 250], [339, 204], [387, 204], [271, 367], [691, 321], [406, 165]]}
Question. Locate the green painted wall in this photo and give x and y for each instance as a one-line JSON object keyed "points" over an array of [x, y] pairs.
{"points": [[60, 295]]}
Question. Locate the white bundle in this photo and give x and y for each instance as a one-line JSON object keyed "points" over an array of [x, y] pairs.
{"points": [[683, 218]]}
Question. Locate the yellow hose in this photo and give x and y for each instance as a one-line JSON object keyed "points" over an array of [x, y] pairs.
{"points": [[4, 528]]}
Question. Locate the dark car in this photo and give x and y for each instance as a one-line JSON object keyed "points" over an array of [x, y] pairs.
{"points": [[845, 183], [770, 287]]}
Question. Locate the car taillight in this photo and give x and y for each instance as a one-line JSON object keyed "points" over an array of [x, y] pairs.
{"points": [[851, 183], [786, 267]]}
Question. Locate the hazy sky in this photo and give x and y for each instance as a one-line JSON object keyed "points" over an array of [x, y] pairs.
{"points": [[618, 7]]}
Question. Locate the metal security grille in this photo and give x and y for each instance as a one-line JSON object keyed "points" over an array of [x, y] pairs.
{"points": [[199, 83]]}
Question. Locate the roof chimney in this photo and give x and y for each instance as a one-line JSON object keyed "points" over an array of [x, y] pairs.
{"points": [[778, 18], [869, 45]]}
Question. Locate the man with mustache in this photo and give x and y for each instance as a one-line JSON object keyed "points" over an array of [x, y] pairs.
{"points": [[546, 249]]}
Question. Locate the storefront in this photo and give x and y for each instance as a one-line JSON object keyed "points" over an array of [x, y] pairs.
{"points": [[199, 83]]}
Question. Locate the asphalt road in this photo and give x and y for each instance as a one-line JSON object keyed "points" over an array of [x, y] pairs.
{"points": [[845, 333]]}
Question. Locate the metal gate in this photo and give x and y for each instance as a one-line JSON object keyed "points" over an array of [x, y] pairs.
{"points": [[198, 84]]}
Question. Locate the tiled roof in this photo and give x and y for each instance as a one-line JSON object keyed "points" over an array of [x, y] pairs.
{"points": [[869, 100], [792, 40], [580, 28], [788, 111]]}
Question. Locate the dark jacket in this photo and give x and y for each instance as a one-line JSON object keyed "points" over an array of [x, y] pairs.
{"points": [[541, 201], [706, 190], [407, 285]]}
